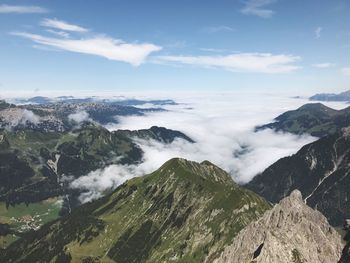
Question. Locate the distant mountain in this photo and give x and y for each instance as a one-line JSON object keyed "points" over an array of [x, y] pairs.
{"points": [[343, 96], [320, 170], [183, 212], [61, 117], [314, 118], [291, 232], [71, 99]]}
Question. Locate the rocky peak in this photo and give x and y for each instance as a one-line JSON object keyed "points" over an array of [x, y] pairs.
{"points": [[291, 232]]}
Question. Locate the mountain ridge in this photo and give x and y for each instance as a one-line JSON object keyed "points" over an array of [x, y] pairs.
{"points": [[184, 211]]}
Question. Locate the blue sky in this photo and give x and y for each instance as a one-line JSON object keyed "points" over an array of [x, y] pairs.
{"points": [[300, 46]]}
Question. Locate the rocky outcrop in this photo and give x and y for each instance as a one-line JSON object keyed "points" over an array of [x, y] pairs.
{"points": [[291, 232]]}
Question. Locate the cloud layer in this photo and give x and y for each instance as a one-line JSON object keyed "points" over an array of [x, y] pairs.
{"points": [[241, 62], [222, 126]]}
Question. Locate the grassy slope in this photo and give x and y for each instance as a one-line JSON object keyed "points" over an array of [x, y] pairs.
{"points": [[184, 211]]}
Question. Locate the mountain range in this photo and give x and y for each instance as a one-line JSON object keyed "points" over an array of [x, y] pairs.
{"points": [[119, 100], [64, 116]]}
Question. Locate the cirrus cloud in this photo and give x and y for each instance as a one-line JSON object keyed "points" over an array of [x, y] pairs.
{"points": [[241, 62], [323, 65], [257, 8], [21, 9]]}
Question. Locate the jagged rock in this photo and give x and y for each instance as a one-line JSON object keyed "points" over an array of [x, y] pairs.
{"points": [[291, 232]]}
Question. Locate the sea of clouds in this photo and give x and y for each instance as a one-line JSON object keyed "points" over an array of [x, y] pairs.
{"points": [[222, 126]]}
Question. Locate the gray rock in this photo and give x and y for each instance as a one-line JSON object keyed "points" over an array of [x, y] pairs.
{"points": [[291, 232]]}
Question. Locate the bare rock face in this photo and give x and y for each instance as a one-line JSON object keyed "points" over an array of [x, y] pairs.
{"points": [[291, 232]]}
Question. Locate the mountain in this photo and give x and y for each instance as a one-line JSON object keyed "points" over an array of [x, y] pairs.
{"points": [[291, 232], [343, 96], [160, 134], [314, 118], [183, 212], [321, 172]]}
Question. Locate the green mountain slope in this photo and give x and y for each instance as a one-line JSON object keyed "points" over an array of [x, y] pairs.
{"points": [[314, 118], [183, 212], [36, 168]]}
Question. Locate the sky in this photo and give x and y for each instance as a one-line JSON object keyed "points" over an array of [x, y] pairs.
{"points": [[295, 46]]}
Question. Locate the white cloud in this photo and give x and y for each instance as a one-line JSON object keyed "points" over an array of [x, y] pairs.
{"points": [[257, 8], [101, 180], [323, 65], [79, 117], [241, 62], [21, 9], [29, 116], [318, 32], [346, 71], [62, 25], [216, 29], [107, 47]]}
